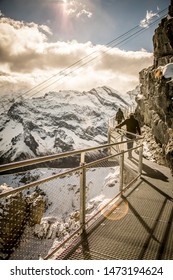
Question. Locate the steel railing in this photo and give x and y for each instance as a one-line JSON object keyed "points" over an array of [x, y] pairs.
{"points": [[122, 188], [118, 155]]}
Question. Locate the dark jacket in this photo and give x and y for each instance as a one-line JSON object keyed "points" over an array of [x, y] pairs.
{"points": [[119, 116], [132, 125]]}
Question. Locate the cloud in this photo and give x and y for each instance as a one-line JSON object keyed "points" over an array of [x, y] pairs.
{"points": [[77, 9], [27, 58], [124, 62], [84, 12], [148, 19]]}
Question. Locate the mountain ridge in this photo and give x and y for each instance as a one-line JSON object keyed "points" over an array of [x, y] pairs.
{"points": [[58, 122]]}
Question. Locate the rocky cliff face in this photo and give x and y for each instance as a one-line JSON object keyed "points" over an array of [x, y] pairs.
{"points": [[155, 101]]}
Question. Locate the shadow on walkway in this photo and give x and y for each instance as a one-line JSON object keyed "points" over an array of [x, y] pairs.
{"points": [[151, 171], [144, 232], [162, 244], [157, 189]]}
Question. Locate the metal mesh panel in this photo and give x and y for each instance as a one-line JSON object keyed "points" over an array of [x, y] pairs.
{"points": [[12, 220], [102, 185], [135, 234], [43, 212], [35, 220]]}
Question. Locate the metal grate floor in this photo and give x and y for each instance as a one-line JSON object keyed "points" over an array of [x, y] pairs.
{"points": [[140, 228]]}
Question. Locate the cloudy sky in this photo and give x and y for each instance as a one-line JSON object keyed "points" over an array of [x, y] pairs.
{"points": [[75, 44]]}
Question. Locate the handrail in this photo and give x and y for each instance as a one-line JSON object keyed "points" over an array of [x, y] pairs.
{"points": [[125, 132], [47, 179], [121, 191], [82, 169], [39, 182], [82, 226], [33, 161]]}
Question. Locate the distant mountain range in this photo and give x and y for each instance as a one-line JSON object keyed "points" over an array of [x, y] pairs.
{"points": [[58, 122]]}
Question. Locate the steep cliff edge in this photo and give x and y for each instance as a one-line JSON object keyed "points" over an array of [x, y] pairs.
{"points": [[155, 101]]}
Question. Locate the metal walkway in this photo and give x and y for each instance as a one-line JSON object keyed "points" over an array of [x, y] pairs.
{"points": [[139, 226], [136, 226]]}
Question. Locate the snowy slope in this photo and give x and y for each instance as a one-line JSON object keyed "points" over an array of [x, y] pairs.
{"points": [[58, 122], [61, 217]]}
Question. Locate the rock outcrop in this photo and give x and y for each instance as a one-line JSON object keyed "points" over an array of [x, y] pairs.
{"points": [[155, 101]]}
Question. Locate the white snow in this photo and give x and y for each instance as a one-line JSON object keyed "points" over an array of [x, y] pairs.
{"points": [[45, 145], [11, 130], [59, 119], [71, 117], [63, 195], [12, 136], [146, 152], [167, 71]]}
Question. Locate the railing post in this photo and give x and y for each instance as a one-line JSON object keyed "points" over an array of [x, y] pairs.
{"points": [[109, 135], [82, 157], [82, 192], [121, 170], [121, 146], [140, 160]]}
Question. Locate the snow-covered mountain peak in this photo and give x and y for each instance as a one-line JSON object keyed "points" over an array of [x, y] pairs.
{"points": [[58, 122]]}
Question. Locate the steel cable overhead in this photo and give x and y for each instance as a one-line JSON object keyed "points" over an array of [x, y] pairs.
{"points": [[115, 42], [122, 39], [75, 64]]}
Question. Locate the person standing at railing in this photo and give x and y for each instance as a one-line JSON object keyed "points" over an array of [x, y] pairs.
{"points": [[132, 127], [119, 116]]}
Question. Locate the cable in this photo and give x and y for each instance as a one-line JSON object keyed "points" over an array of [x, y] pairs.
{"points": [[103, 53], [62, 72], [76, 65], [98, 51]]}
